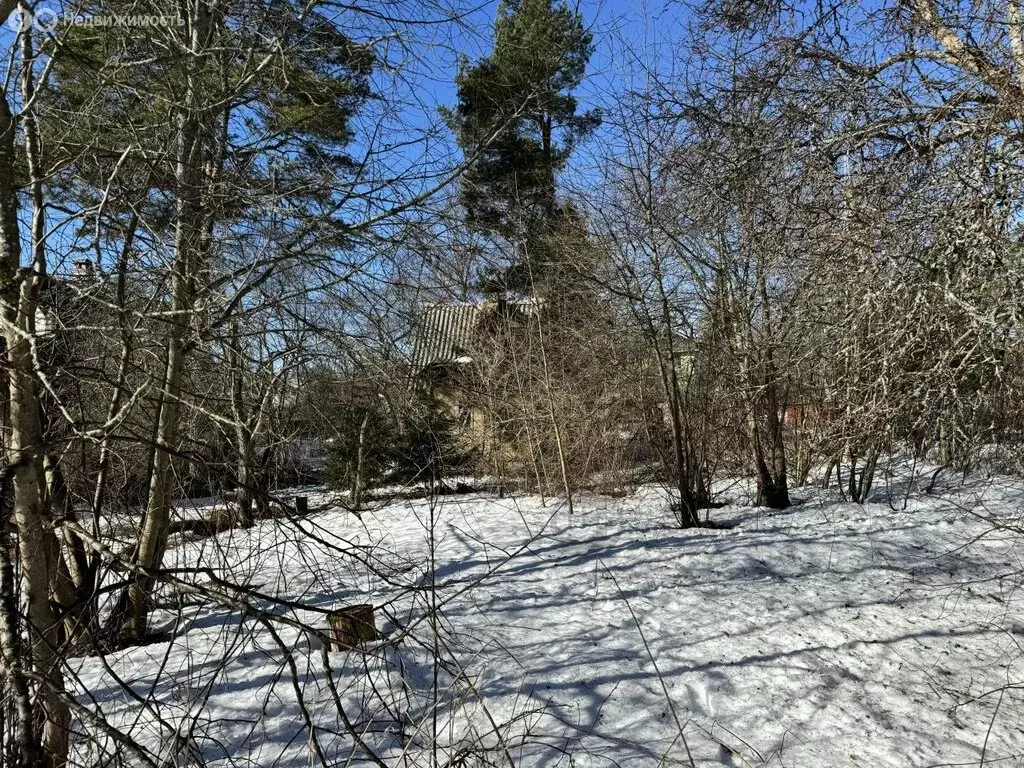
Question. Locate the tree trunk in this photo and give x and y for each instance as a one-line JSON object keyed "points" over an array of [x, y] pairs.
{"points": [[687, 514], [549, 398], [72, 579], [16, 686], [357, 475], [772, 489], [124, 364], [36, 541], [768, 440], [860, 482], [156, 519], [246, 476], [188, 240]]}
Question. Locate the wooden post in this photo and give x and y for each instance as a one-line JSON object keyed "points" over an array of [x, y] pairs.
{"points": [[352, 626], [301, 506]]}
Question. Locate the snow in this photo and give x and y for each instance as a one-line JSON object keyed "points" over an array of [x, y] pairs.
{"points": [[827, 634]]}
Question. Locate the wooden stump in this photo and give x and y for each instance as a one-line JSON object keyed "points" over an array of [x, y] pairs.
{"points": [[301, 506], [352, 626]]}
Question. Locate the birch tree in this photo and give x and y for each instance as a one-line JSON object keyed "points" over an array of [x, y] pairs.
{"points": [[44, 719]]}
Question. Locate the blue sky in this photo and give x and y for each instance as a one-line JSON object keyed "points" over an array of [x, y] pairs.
{"points": [[628, 36], [621, 29]]}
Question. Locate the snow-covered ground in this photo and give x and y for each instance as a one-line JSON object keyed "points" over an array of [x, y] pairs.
{"points": [[829, 634]]}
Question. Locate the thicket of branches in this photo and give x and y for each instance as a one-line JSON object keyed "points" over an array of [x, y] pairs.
{"points": [[798, 252]]}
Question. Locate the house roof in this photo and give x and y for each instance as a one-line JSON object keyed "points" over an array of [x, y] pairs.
{"points": [[444, 332], [448, 332]]}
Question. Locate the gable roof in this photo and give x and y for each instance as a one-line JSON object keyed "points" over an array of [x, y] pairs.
{"points": [[448, 332], [444, 332]]}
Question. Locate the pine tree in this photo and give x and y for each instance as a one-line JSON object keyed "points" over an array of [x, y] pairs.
{"points": [[228, 130], [517, 116]]}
